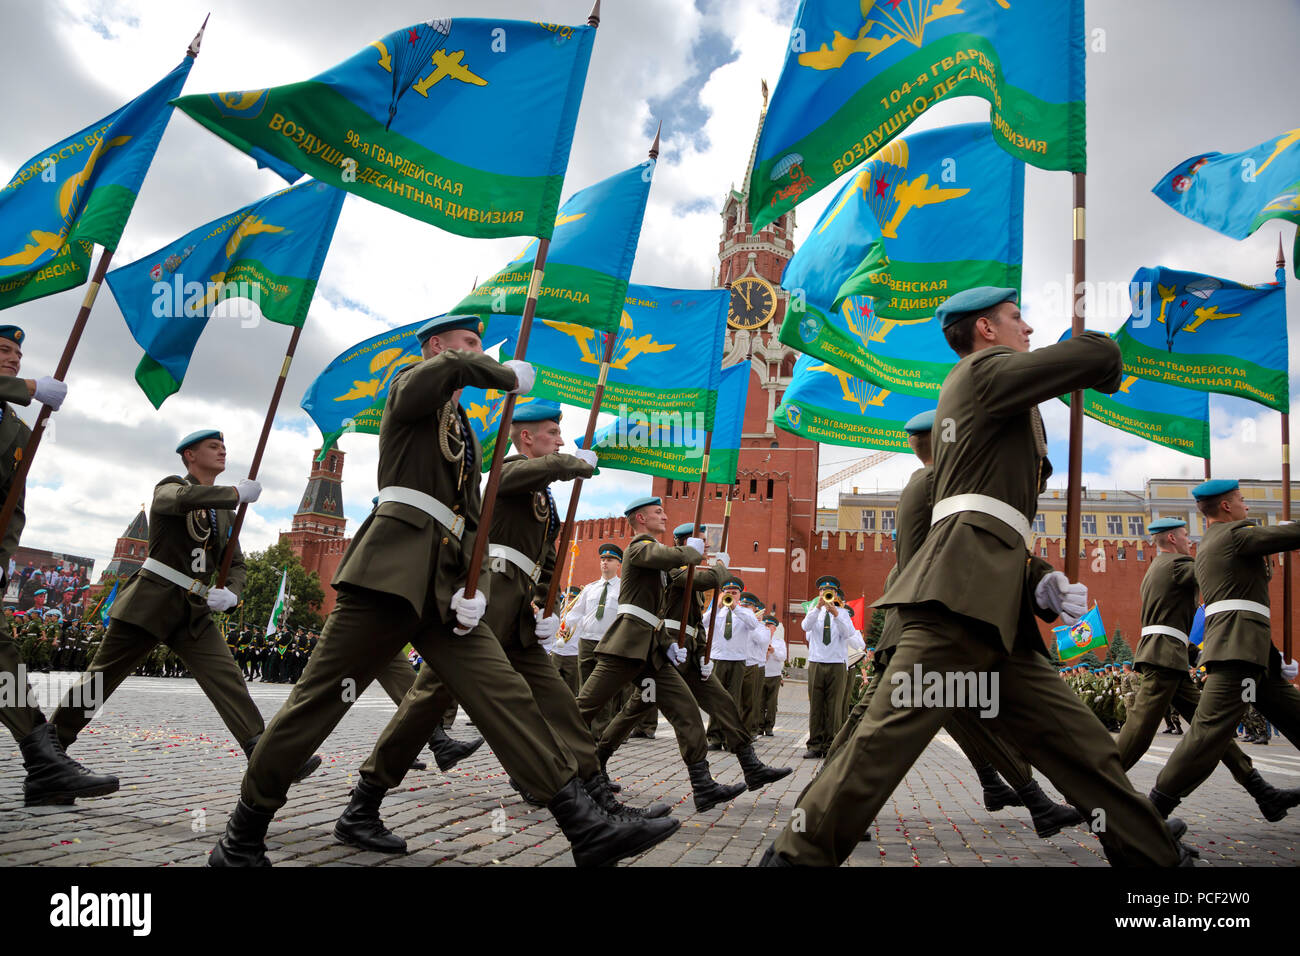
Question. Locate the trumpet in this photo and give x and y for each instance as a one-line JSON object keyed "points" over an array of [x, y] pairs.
{"points": [[728, 600], [829, 596]]}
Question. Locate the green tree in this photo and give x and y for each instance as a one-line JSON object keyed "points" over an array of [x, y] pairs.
{"points": [[264, 568], [1088, 660], [1119, 649], [877, 626]]}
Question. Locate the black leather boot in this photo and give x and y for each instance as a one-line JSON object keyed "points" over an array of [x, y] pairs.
{"points": [[772, 858], [997, 794], [244, 842], [1048, 818], [604, 768], [305, 771], [758, 774], [527, 797], [597, 839], [708, 792], [1163, 803], [448, 752], [361, 825], [597, 787], [1273, 801], [52, 776], [419, 765]]}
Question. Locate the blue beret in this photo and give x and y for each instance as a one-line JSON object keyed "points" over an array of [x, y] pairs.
{"points": [[38, 591], [1213, 488], [538, 410], [610, 551], [828, 581], [12, 333], [684, 530], [193, 438], [919, 424], [733, 581], [445, 323], [643, 502], [374, 502], [981, 297], [1165, 524]]}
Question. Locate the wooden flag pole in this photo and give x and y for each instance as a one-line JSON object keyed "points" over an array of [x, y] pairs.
{"points": [[699, 517], [1074, 502], [19, 482], [257, 454], [713, 610], [1286, 506], [566, 535]]}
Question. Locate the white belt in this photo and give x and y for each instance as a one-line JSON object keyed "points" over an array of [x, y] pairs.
{"points": [[517, 558], [640, 612], [1218, 607], [430, 505], [992, 507], [1161, 629], [676, 626], [172, 576]]}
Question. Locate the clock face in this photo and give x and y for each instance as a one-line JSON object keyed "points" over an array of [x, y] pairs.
{"points": [[753, 303]]}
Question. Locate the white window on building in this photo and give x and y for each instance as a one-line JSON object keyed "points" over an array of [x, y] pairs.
{"points": [[1040, 523], [886, 521], [868, 520], [1114, 525], [1089, 524], [826, 540], [1135, 527]]}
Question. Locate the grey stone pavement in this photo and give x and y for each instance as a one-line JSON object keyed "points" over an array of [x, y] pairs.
{"points": [[180, 773]]}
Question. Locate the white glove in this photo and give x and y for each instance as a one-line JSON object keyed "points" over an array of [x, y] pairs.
{"points": [[249, 490], [723, 558], [697, 544], [706, 670], [547, 627], [50, 391], [1290, 669], [221, 599], [524, 375], [586, 455], [468, 611], [1056, 593], [676, 654]]}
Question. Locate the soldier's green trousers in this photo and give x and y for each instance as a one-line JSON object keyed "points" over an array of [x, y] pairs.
{"points": [[422, 708], [587, 664], [730, 676], [364, 631], [752, 710], [771, 697], [206, 657], [398, 678], [1160, 689], [1218, 713], [670, 692], [825, 703], [709, 695], [569, 671], [1038, 713], [19, 713]]}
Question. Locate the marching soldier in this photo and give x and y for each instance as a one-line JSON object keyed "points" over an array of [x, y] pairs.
{"points": [[828, 629], [966, 601], [733, 634], [163, 606], [399, 583], [773, 665], [52, 776], [1233, 568]]}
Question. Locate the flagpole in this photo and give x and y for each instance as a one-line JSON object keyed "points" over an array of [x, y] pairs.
{"points": [[713, 609], [566, 535], [690, 568], [19, 482], [1286, 505], [233, 537], [1074, 501], [508, 408]]}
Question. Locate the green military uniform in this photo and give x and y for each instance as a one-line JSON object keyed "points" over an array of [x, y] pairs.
{"points": [[1233, 567], [965, 604], [20, 715], [185, 517], [1255, 726]]}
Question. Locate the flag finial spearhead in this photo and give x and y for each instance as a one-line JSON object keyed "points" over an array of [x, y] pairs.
{"points": [[193, 50], [654, 147], [593, 18], [1281, 256]]}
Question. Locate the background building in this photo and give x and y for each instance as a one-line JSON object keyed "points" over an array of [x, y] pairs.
{"points": [[317, 534]]}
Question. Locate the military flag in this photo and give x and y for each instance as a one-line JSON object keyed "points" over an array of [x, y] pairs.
{"points": [[1209, 334], [1236, 193], [1078, 639], [830, 406], [107, 606], [77, 193], [270, 252], [857, 72], [462, 123], [276, 620], [590, 259]]}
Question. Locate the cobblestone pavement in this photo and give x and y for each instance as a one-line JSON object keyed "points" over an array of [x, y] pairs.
{"points": [[180, 773]]}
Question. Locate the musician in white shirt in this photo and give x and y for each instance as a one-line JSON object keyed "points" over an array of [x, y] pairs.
{"points": [[752, 712], [729, 650], [773, 663], [828, 630]]}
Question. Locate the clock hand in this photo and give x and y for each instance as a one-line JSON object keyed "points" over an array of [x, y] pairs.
{"points": [[749, 307]]}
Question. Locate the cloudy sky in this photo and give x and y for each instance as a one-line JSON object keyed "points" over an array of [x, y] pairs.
{"points": [[1165, 81]]}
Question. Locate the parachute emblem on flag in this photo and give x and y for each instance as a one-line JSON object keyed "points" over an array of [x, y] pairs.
{"points": [[383, 366], [895, 22], [1081, 634], [875, 327], [855, 390], [246, 104], [793, 414]]}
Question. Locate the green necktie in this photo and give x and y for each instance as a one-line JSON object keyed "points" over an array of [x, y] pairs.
{"points": [[826, 628], [726, 631], [600, 608]]}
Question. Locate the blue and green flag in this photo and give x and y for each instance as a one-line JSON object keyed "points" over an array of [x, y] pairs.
{"points": [[1177, 418], [588, 264], [857, 72], [672, 446], [107, 606], [462, 123], [830, 406], [77, 193], [1088, 634], [665, 353], [1236, 193], [269, 252], [1208, 334]]}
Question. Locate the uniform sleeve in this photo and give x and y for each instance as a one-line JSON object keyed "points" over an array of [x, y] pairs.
{"points": [[14, 390], [1253, 540], [856, 641], [1010, 382], [706, 579], [1184, 572], [174, 496], [534, 474], [778, 649], [543, 584], [660, 557], [422, 389], [844, 624], [810, 620], [13, 533]]}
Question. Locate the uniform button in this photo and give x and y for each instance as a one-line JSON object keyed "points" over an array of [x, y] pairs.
{"points": [[444, 540]]}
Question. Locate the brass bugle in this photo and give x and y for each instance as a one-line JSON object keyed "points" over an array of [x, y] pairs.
{"points": [[728, 599], [829, 597]]}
